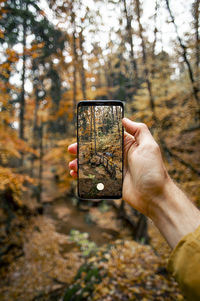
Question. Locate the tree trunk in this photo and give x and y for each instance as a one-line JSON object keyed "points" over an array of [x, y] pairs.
{"points": [[144, 59], [141, 230], [99, 81], [74, 78], [22, 96], [117, 117], [112, 114], [39, 196], [95, 146], [35, 130], [185, 57], [154, 41], [109, 72], [130, 41], [82, 69], [155, 30], [91, 126], [139, 227], [75, 61], [197, 40]]}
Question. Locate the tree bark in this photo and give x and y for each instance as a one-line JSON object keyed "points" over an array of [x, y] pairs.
{"points": [[35, 130], [91, 126], [130, 41], [39, 197], [155, 30], [22, 97], [112, 114], [117, 117], [74, 77], [185, 57], [95, 146], [197, 39], [141, 230], [75, 61], [82, 69], [144, 59]]}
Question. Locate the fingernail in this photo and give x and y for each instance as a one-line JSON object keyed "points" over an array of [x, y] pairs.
{"points": [[124, 119]]}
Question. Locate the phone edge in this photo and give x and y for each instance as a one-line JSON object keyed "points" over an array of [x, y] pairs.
{"points": [[105, 102]]}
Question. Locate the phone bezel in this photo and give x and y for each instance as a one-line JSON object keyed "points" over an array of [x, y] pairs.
{"points": [[100, 103]]}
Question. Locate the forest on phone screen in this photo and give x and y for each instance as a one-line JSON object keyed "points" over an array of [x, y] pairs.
{"points": [[54, 53], [100, 150]]}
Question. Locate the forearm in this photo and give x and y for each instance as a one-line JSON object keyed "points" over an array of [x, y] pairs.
{"points": [[174, 214]]}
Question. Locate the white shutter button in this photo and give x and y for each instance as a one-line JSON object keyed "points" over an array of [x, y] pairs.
{"points": [[100, 186]]}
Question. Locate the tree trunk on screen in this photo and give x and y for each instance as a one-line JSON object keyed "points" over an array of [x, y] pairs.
{"points": [[95, 143], [91, 126], [112, 113], [117, 118]]}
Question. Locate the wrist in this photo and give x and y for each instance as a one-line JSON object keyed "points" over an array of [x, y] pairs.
{"points": [[162, 203], [174, 214]]}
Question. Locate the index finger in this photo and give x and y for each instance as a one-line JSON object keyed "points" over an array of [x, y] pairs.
{"points": [[72, 148]]}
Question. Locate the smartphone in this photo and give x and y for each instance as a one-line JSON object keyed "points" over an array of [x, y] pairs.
{"points": [[100, 139]]}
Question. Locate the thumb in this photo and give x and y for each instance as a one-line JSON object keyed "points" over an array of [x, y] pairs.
{"points": [[139, 130]]}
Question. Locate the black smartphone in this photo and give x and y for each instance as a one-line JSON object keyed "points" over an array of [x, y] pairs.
{"points": [[100, 149]]}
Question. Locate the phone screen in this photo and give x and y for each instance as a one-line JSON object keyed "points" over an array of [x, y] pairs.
{"points": [[100, 149]]}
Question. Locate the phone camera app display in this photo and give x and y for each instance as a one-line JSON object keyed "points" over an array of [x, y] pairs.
{"points": [[100, 139]]}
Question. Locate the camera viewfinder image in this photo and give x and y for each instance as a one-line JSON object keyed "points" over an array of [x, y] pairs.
{"points": [[100, 151]]}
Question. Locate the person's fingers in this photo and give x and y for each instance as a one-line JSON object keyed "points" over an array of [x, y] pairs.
{"points": [[73, 165], [129, 140], [73, 173], [139, 130], [72, 148]]}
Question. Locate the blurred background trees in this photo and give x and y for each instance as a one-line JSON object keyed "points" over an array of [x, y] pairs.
{"points": [[55, 53]]}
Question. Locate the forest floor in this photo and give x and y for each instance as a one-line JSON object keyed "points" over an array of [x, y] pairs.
{"points": [[90, 176], [49, 259]]}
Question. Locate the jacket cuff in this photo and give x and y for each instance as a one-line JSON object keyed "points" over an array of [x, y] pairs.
{"points": [[184, 264]]}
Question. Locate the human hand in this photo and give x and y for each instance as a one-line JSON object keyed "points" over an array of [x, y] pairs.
{"points": [[145, 175], [149, 189], [147, 186], [144, 172], [73, 166]]}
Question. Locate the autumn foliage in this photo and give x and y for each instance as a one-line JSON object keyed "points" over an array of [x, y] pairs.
{"points": [[52, 56]]}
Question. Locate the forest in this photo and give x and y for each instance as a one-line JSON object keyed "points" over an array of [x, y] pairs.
{"points": [[100, 151], [55, 53]]}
